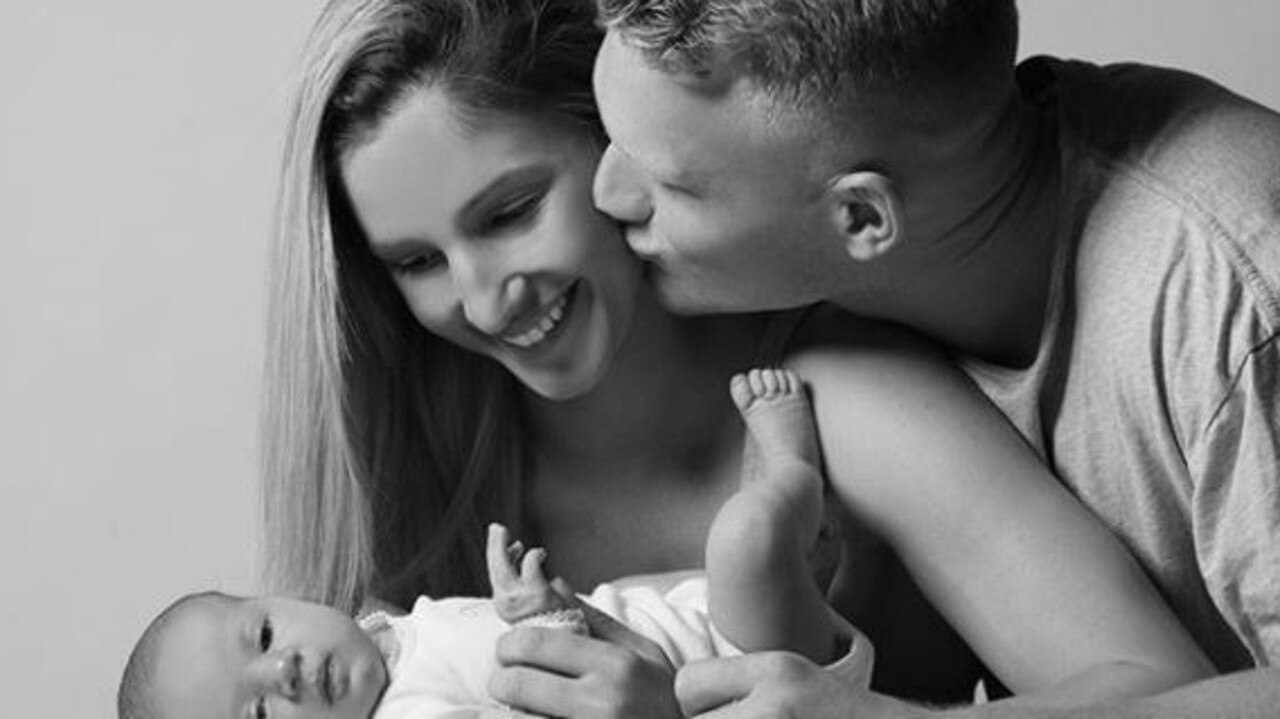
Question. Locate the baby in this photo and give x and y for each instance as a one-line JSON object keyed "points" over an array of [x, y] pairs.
{"points": [[213, 655]]}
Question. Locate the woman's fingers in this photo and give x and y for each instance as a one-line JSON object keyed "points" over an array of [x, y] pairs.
{"points": [[615, 632], [552, 650], [703, 686], [557, 673], [532, 690], [777, 684]]}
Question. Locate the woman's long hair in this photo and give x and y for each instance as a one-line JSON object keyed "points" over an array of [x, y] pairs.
{"points": [[386, 450]]}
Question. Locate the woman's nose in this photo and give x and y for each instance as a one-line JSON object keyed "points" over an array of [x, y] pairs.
{"points": [[491, 306], [618, 189], [279, 672]]}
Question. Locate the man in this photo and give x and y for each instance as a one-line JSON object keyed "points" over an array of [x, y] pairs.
{"points": [[1098, 246]]}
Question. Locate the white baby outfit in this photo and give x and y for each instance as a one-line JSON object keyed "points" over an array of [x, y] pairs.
{"points": [[440, 656]]}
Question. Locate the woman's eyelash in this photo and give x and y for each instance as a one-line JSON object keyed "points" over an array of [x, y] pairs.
{"points": [[514, 212], [265, 634], [418, 263], [506, 216]]}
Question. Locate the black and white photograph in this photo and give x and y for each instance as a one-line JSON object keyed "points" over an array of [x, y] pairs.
{"points": [[640, 359]]}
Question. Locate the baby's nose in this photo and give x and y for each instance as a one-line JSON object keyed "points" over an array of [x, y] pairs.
{"points": [[280, 671]]}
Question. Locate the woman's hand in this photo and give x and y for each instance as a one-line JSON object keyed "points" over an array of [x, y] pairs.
{"points": [[613, 673], [779, 684]]}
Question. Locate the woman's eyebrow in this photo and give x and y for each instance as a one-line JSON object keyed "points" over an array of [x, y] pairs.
{"points": [[401, 248], [469, 215], [497, 189]]}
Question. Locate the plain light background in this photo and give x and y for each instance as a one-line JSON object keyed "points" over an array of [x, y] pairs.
{"points": [[139, 142]]}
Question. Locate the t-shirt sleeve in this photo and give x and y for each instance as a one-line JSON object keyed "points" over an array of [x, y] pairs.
{"points": [[1235, 467], [854, 666]]}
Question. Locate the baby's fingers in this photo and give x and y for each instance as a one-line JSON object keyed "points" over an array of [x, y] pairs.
{"points": [[531, 568], [566, 593], [498, 554]]}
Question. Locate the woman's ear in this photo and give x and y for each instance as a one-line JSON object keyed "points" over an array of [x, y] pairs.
{"points": [[867, 213]]}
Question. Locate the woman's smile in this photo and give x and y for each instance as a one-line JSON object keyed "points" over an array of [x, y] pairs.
{"points": [[536, 327], [520, 267]]}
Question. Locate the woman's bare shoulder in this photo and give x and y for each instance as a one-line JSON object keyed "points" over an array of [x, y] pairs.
{"points": [[839, 346]]}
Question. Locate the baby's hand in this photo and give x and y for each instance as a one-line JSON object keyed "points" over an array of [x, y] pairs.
{"points": [[520, 589]]}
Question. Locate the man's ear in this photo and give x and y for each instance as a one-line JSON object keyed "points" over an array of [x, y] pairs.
{"points": [[867, 213]]}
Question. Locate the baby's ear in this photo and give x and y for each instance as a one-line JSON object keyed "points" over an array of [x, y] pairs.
{"points": [[866, 212]]}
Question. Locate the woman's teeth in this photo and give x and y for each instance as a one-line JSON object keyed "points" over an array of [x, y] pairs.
{"points": [[540, 329]]}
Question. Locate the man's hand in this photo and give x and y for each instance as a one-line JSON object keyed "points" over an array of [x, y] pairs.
{"points": [[778, 684], [614, 674]]}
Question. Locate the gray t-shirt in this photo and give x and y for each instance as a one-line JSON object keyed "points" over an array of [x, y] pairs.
{"points": [[1156, 392]]}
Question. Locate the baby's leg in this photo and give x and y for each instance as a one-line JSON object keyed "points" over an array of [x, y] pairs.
{"points": [[522, 593], [761, 590]]}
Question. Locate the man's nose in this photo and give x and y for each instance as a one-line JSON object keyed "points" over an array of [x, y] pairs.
{"points": [[279, 672], [618, 189]]}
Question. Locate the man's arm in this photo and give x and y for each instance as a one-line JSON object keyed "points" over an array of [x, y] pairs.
{"points": [[780, 684], [1047, 597], [1251, 694]]}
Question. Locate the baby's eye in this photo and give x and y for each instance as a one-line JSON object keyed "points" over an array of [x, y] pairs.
{"points": [[265, 634], [260, 708]]}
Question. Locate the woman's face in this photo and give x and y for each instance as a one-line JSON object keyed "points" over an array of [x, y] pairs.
{"points": [[489, 233]]}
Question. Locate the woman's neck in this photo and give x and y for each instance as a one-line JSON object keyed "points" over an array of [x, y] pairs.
{"points": [[664, 397]]}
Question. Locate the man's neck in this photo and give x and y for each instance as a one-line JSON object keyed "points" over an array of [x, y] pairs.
{"points": [[981, 284]]}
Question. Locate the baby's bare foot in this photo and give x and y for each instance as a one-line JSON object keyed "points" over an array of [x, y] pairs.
{"points": [[782, 476], [760, 587], [774, 406]]}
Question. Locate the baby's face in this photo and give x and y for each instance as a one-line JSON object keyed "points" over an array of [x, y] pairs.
{"points": [[266, 658]]}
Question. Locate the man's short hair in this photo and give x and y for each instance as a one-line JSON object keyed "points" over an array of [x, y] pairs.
{"points": [[821, 51]]}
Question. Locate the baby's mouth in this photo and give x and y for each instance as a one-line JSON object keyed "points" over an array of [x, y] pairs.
{"points": [[325, 680]]}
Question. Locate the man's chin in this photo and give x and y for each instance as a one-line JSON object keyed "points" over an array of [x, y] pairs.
{"points": [[681, 299], [694, 298]]}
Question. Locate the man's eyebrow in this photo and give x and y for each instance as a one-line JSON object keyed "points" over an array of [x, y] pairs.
{"points": [[663, 173]]}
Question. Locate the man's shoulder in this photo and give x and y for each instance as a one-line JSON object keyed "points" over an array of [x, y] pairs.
{"points": [[1167, 163], [831, 332], [1170, 121]]}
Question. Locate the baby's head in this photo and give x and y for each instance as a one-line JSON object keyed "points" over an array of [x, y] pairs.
{"points": [[213, 656]]}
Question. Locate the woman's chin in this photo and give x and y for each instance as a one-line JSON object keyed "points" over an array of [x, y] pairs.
{"points": [[561, 387], [576, 361]]}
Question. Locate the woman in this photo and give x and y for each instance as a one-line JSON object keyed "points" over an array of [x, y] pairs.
{"points": [[457, 337]]}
